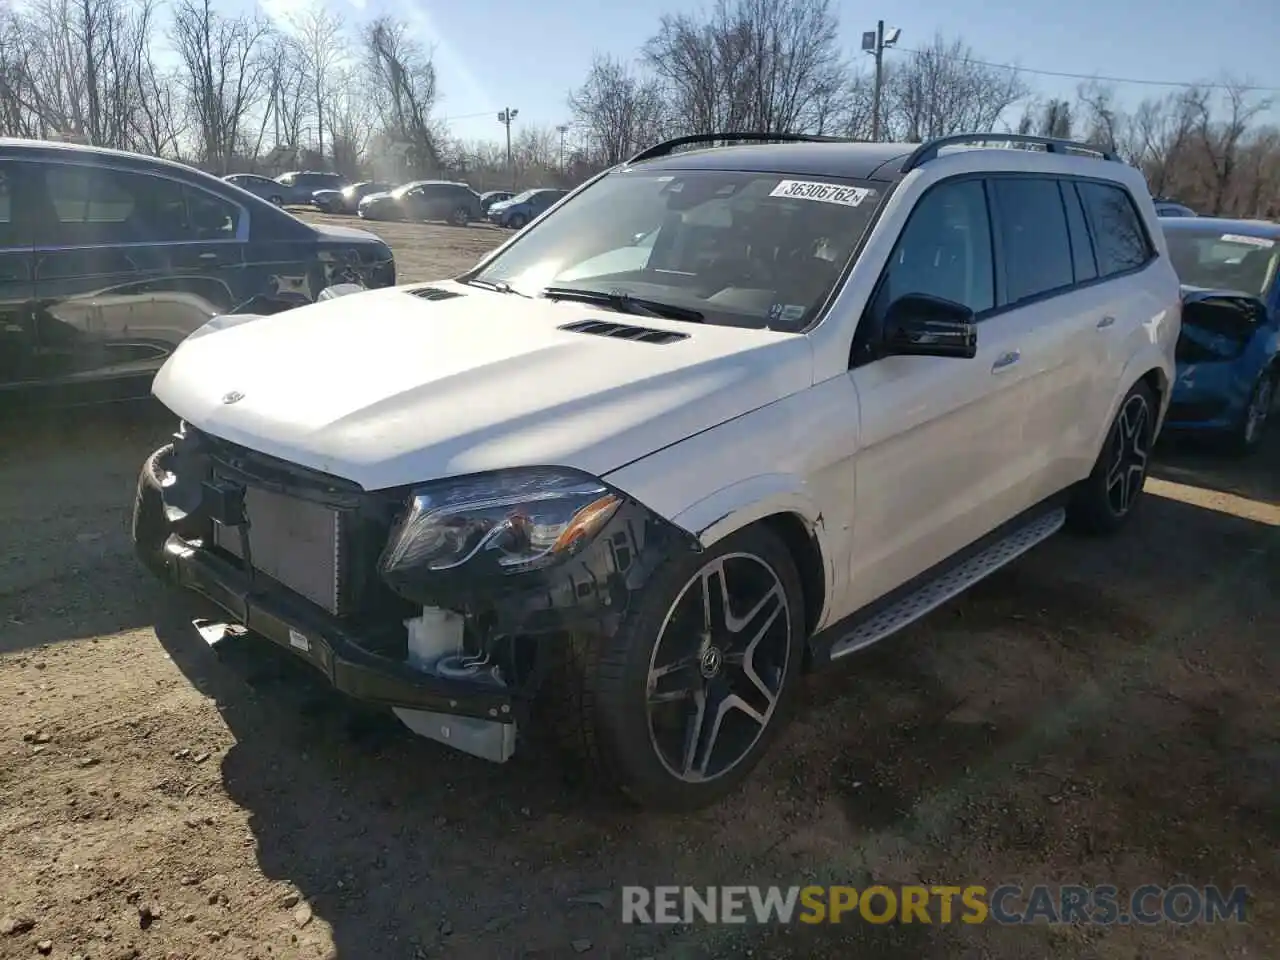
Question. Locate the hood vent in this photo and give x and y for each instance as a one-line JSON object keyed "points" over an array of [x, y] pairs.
{"points": [[434, 293], [624, 331]]}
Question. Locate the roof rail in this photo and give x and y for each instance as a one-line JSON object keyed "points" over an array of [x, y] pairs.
{"points": [[668, 146], [929, 150]]}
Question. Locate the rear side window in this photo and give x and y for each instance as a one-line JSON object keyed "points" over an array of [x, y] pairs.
{"points": [[1031, 223], [1081, 243], [1119, 238]]}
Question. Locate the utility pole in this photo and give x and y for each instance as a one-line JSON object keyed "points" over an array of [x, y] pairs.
{"points": [[505, 116], [563, 128], [875, 43]]}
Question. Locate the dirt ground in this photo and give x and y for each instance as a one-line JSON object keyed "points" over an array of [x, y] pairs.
{"points": [[1096, 713]]}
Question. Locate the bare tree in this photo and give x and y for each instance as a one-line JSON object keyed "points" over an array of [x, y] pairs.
{"points": [[350, 121], [1051, 118], [224, 72], [617, 111], [403, 81], [320, 40], [1222, 141], [942, 89], [770, 65], [1164, 134]]}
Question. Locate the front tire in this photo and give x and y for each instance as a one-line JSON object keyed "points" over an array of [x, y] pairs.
{"points": [[680, 704], [516, 221], [1248, 435], [278, 201], [1104, 501]]}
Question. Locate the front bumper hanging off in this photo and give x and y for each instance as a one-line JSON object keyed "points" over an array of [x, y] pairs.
{"points": [[477, 716]]}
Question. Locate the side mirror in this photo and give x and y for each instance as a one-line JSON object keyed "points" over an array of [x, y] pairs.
{"points": [[918, 325]]}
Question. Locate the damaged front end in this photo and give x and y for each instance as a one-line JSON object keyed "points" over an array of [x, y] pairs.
{"points": [[443, 601], [1222, 348]]}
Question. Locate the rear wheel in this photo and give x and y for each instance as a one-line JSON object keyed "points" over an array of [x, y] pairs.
{"points": [[278, 201], [680, 704], [460, 217], [1105, 500]]}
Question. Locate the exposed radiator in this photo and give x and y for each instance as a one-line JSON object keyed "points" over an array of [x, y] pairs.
{"points": [[293, 541]]}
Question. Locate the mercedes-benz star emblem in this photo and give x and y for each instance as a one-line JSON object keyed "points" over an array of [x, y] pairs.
{"points": [[232, 397], [712, 659]]}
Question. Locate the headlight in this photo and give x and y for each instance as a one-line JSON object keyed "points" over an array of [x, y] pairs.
{"points": [[513, 520]]}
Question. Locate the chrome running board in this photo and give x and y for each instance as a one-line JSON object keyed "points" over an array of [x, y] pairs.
{"points": [[950, 583]]}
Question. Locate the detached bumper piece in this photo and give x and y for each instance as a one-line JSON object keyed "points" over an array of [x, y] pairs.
{"points": [[475, 716]]}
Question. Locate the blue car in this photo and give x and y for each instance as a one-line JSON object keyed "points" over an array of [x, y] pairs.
{"points": [[1229, 352], [523, 207]]}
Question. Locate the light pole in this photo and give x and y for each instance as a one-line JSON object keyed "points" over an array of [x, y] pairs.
{"points": [[505, 116], [874, 43], [563, 128]]}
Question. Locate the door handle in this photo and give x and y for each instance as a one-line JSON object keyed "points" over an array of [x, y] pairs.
{"points": [[1005, 361], [208, 256], [1106, 322]]}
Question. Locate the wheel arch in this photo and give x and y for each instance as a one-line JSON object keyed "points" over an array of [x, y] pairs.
{"points": [[777, 503], [1157, 379]]}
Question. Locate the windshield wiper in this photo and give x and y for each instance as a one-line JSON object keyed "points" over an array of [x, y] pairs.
{"points": [[497, 286], [624, 303]]}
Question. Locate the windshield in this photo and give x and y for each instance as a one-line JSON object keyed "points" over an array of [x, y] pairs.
{"points": [[1220, 259], [522, 197], [401, 190], [742, 248]]}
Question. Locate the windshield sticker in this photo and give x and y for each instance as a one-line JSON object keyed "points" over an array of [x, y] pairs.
{"points": [[1262, 242], [822, 192], [786, 312]]}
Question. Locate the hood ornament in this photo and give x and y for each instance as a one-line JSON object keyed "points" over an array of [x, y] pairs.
{"points": [[233, 397]]}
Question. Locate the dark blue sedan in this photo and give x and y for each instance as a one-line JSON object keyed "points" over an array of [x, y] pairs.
{"points": [[523, 207], [1229, 351]]}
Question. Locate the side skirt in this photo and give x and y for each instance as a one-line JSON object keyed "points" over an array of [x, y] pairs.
{"points": [[931, 589]]}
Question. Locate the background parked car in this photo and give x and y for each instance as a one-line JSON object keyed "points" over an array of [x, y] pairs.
{"points": [[110, 259], [347, 200], [523, 207], [489, 198], [1172, 208], [454, 203], [300, 186], [1229, 350], [259, 186]]}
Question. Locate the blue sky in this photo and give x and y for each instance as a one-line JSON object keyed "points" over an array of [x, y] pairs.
{"points": [[528, 55]]}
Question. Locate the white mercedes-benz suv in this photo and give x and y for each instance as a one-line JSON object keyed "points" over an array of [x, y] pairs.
{"points": [[720, 416]]}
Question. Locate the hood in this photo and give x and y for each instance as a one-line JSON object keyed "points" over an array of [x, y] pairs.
{"points": [[385, 388], [336, 232]]}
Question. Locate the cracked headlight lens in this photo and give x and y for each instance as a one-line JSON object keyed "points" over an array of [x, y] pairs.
{"points": [[512, 519]]}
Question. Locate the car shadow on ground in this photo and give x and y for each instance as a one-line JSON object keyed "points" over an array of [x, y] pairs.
{"points": [[67, 479], [1199, 463], [1098, 714]]}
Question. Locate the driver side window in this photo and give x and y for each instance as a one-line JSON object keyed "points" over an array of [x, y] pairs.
{"points": [[944, 251]]}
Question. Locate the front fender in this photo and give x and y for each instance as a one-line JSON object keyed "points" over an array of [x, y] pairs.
{"points": [[742, 503]]}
